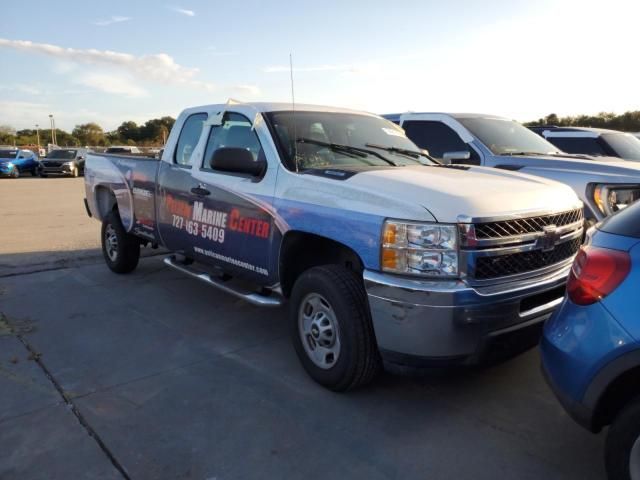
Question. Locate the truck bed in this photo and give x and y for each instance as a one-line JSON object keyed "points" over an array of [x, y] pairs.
{"points": [[132, 181]]}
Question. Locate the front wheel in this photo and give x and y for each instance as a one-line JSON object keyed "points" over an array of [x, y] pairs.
{"points": [[331, 328], [121, 250], [15, 173], [622, 448]]}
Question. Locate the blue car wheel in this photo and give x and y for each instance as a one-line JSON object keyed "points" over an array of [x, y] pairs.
{"points": [[622, 449]]}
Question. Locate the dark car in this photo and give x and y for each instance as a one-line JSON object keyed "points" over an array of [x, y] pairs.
{"points": [[64, 161], [592, 141], [591, 345], [14, 162]]}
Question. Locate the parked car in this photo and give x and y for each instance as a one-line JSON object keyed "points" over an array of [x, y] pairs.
{"points": [[64, 161], [14, 162], [381, 252], [592, 141], [605, 185], [591, 345], [123, 150]]}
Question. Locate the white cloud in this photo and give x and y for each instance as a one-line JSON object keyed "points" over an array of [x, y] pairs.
{"points": [[22, 88], [109, 83], [158, 67], [184, 11], [112, 20]]}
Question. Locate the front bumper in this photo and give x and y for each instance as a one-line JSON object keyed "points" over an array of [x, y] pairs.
{"points": [[60, 170], [447, 322]]}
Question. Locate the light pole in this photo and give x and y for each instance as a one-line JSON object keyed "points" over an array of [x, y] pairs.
{"points": [[53, 130], [38, 137]]}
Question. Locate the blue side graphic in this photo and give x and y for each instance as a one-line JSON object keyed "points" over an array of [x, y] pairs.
{"points": [[359, 231]]}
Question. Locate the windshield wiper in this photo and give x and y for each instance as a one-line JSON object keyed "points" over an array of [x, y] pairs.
{"points": [[415, 154], [520, 154], [337, 147]]}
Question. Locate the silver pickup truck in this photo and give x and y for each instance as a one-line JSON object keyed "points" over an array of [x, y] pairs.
{"points": [[604, 184], [381, 252]]}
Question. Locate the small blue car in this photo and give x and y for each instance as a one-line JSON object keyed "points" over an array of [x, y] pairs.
{"points": [[591, 344], [14, 162]]}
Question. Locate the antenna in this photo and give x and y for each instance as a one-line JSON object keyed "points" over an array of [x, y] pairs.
{"points": [[293, 108]]}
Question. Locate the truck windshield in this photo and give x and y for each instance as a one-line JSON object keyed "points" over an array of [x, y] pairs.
{"points": [[625, 145], [506, 137], [330, 139], [63, 154]]}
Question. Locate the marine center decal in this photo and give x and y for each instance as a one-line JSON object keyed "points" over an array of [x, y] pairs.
{"points": [[208, 223]]}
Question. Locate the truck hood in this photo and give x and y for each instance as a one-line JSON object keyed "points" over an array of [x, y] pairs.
{"points": [[607, 168], [450, 193]]}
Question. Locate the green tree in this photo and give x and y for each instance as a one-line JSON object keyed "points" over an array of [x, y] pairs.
{"points": [[88, 134], [129, 131]]}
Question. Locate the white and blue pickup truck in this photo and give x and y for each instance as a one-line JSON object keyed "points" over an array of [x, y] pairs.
{"points": [[385, 256]]}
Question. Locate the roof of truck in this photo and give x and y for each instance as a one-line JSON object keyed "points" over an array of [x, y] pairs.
{"points": [[279, 106], [396, 116]]}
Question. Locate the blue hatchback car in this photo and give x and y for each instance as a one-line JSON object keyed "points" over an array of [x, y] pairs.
{"points": [[591, 345]]}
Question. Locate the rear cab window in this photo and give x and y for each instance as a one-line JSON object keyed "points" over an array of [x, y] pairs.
{"points": [[188, 139]]}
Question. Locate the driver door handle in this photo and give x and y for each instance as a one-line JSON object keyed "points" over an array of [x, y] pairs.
{"points": [[200, 191]]}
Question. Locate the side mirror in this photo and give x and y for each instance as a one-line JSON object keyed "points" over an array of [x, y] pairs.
{"points": [[81, 157], [456, 157], [237, 160]]}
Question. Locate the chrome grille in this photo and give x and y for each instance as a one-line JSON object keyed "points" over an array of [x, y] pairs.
{"points": [[522, 226], [516, 263]]}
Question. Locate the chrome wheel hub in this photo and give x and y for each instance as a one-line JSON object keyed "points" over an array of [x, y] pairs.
{"points": [[111, 243], [318, 330]]}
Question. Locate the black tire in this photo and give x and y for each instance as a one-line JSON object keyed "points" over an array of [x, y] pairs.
{"points": [[16, 173], [358, 360], [43, 175], [623, 434], [123, 255], [34, 172]]}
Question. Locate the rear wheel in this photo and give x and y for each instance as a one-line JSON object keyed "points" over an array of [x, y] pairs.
{"points": [[331, 328], [121, 250], [622, 448], [34, 172]]}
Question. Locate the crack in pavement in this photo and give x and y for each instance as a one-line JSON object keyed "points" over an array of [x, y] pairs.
{"points": [[67, 399]]}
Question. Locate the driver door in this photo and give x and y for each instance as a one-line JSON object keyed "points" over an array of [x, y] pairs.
{"points": [[233, 210]]}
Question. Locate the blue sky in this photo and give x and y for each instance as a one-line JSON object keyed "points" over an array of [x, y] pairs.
{"points": [[133, 60]]}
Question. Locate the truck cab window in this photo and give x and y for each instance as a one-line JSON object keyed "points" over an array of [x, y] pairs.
{"points": [[437, 138], [584, 145], [235, 132], [189, 136]]}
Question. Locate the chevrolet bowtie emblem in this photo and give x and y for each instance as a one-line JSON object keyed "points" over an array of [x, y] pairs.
{"points": [[548, 238]]}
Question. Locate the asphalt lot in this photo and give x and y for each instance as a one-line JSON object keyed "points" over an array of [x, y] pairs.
{"points": [[156, 376]]}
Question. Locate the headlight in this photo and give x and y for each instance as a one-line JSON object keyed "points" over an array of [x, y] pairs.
{"points": [[427, 249], [10, 165], [69, 164], [611, 198]]}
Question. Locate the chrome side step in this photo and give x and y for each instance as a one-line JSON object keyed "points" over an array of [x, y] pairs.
{"points": [[252, 297]]}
